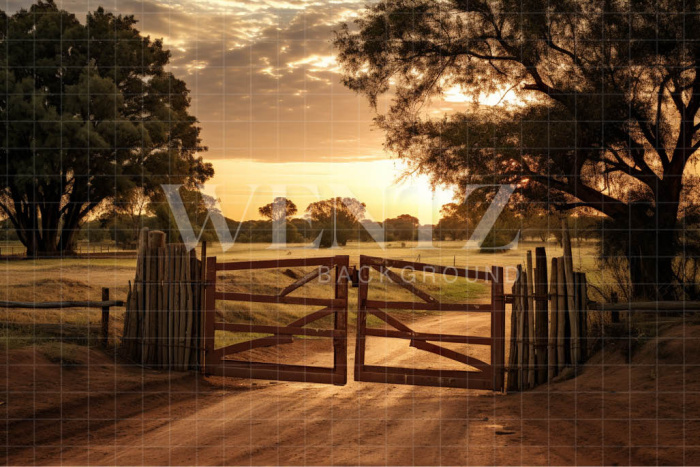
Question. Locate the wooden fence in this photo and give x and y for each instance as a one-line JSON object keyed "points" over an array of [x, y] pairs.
{"points": [[105, 304], [484, 376], [162, 323], [227, 360], [549, 322], [80, 251]]}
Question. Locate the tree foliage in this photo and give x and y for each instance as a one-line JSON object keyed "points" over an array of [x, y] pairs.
{"points": [[606, 98], [279, 209], [455, 222], [401, 228], [88, 113], [337, 218]]}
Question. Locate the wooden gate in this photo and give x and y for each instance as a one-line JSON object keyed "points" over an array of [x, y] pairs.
{"points": [[222, 362], [489, 375]]}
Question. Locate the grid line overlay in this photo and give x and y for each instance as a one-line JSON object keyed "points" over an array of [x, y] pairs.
{"points": [[276, 121]]}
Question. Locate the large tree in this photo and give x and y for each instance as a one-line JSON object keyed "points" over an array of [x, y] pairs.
{"points": [[88, 112], [604, 113], [338, 219], [401, 228], [279, 209]]}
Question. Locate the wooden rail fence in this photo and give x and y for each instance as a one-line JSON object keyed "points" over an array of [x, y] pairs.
{"points": [[105, 304], [226, 361], [483, 376]]}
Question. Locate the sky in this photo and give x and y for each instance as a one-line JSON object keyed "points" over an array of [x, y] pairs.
{"points": [[267, 92]]}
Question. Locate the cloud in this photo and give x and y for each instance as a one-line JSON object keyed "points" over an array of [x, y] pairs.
{"points": [[263, 77]]}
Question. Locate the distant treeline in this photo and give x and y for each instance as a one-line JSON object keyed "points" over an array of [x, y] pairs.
{"points": [[338, 220]]}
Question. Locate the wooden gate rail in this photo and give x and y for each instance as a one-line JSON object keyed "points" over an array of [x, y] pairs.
{"points": [[489, 376], [218, 361]]}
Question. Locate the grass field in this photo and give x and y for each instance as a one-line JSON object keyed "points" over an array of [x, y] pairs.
{"points": [[82, 279]]}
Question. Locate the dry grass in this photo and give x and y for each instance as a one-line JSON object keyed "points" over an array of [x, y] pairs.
{"points": [[82, 279], [65, 354]]}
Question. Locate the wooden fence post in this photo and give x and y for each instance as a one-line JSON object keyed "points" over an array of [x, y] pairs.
{"points": [[554, 319], [541, 319], [522, 316], [208, 334], [513, 358], [571, 293], [498, 328], [561, 315], [202, 304], [530, 306], [583, 312], [105, 317], [340, 322]]}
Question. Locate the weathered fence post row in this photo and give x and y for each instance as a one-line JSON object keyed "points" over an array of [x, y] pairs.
{"points": [[549, 324], [162, 321]]}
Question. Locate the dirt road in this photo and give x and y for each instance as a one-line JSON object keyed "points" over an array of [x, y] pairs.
{"points": [[101, 413]]}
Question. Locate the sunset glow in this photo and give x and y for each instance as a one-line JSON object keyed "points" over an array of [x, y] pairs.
{"points": [[266, 88]]}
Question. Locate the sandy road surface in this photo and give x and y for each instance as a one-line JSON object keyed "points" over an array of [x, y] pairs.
{"points": [[176, 419]]}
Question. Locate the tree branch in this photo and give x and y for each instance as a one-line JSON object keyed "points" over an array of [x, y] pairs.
{"points": [[590, 197], [569, 206], [550, 42], [649, 135]]}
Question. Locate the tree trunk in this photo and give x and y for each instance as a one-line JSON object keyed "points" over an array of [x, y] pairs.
{"points": [[48, 246], [69, 231], [45, 242], [651, 270], [652, 249], [41, 246]]}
